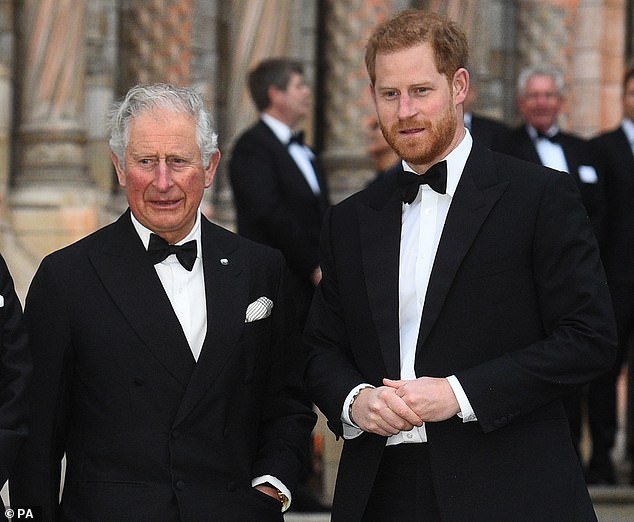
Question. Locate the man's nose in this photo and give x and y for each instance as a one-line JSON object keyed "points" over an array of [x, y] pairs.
{"points": [[162, 175], [405, 107]]}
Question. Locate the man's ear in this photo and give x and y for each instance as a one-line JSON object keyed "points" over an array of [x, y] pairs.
{"points": [[119, 168], [460, 85], [210, 171]]}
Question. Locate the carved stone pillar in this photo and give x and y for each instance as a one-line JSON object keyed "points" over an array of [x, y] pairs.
{"points": [[51, 61], [346, 98], [157, 38], [101, 73], [53, 199]]}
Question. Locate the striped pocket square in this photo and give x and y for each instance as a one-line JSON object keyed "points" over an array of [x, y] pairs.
{"points": [[259, 309]]}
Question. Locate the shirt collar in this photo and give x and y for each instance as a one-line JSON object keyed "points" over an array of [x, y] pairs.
{"points": [[144, 232], [456, 161], [532, 131], [280, 129], [628, 128]]}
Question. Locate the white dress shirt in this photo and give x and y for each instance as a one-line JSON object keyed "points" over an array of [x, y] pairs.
{"points": [[422, 224], [302, 155], [185, 289], [550, 154]]}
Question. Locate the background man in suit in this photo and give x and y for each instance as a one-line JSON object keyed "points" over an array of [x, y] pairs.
{"points": [[616, 148], [540, 98], [166, 362], [281, 194], [538, 139], [15, 371], [279, 187], [453, 316]]}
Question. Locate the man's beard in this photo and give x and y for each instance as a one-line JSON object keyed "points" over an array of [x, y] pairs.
{"points": [[429, 149]]}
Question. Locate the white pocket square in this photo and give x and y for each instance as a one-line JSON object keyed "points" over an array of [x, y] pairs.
{"points": [[1, 301], [588, 174], [259, 309]]}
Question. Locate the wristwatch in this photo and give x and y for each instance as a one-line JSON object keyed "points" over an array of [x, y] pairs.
{"points": [[354, 398], [281, 496]]}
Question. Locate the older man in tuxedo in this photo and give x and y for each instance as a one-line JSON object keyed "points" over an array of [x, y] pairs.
{"points": [[460, 301], [167, 367], [540, 99]]}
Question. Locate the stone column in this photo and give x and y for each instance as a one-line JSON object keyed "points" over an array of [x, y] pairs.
{"points": [[157, 38], [51, 61], [101, 73], [613, 47], [345, 95], [53, 200]]}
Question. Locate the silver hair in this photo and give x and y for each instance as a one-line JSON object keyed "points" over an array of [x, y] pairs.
{"points": [[143, 98], [540, 70]]}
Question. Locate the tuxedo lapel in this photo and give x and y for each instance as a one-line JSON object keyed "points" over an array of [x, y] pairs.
{"points": [[478, 190], [227, 292], [129, 277], [380, 230]]}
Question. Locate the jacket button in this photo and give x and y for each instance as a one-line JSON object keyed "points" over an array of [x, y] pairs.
{"points": [[180, 485], [139, 381]]}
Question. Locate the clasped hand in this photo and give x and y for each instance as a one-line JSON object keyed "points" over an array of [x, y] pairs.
{"points": [[401, 405]]}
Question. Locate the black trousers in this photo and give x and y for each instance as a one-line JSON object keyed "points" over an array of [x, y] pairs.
{"points": [[403, 489]]}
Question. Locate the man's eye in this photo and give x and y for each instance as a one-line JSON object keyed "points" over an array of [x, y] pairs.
{"points": [[147, 162], [177, 163]]}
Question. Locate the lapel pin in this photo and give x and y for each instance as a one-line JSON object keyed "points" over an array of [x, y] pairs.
{"points": [[224, 261]]}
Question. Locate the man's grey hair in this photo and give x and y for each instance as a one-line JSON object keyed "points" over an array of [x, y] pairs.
{"points": [[539, 70], [145, 98]]}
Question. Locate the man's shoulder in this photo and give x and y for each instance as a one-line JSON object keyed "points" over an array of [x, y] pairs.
{"points": [[257, 132]]}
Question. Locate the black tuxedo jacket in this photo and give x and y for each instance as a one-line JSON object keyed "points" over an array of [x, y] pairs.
{"points": [[578, 152], [274, 203], [616, 152], [517, 308], [487, 132], [149, 434], [15, 371]]}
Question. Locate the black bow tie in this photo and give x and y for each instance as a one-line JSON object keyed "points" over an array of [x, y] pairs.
{"points": [[297, 137], [435, 177], [159, 249], [554, 138]]}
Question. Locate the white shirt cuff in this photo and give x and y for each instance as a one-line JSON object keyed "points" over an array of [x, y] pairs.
{"points": [[350, 429], [276, 483], [466, 411]]}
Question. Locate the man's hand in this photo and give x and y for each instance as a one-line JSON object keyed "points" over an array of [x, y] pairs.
{"points": [[382, 411], [431, 398], [315, 276], [268, 490]]}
